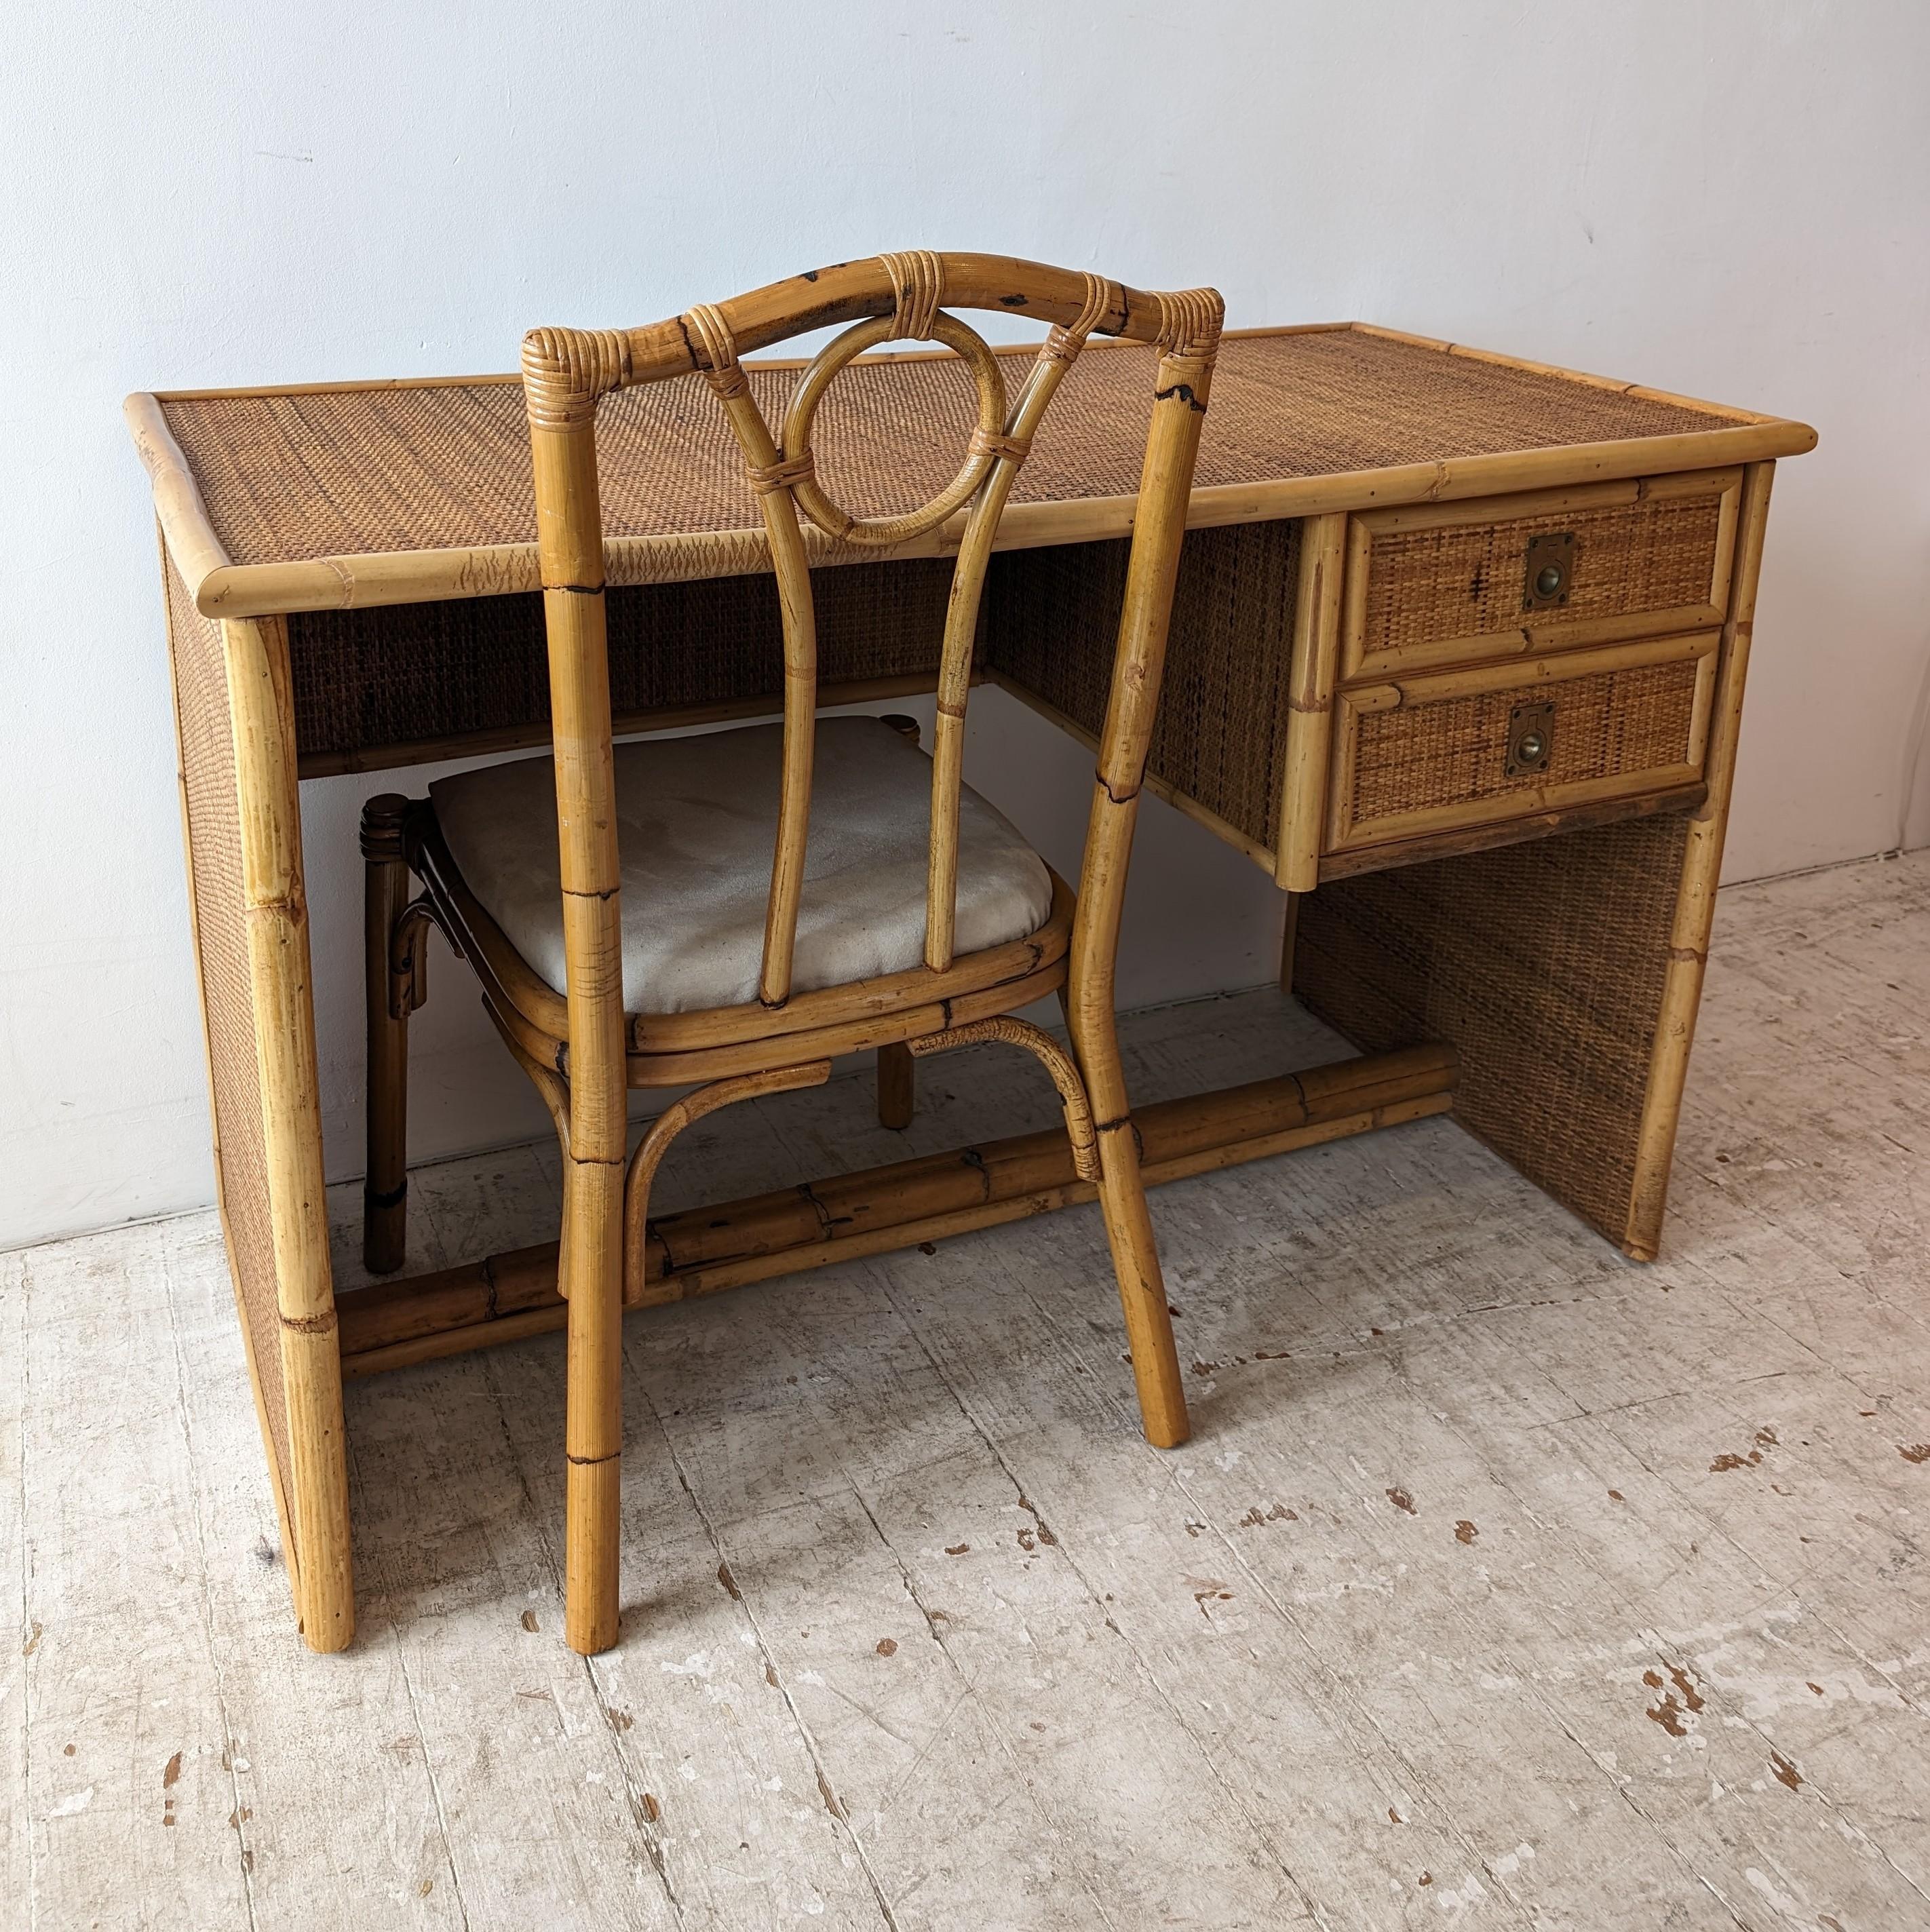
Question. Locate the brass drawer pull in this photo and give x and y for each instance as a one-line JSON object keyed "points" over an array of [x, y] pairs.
{"points": [[1550, 570], [1531, 740]]}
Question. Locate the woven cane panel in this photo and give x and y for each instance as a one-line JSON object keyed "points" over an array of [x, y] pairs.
{"points": [[214, 880], [448, 466], [1617, 724], [1543, 964], [368, 679], [1468, 580], [1052, 625]]}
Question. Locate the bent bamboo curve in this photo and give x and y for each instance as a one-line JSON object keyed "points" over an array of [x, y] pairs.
{"points": [[1011, 1031]]}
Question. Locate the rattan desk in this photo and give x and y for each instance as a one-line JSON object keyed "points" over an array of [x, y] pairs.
{"points": [[1459, 642]]}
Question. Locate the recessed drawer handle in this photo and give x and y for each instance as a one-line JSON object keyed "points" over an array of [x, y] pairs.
{"points": [[1531, 740], [1549, 571]]}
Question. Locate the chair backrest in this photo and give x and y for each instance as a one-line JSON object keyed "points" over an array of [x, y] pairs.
{"points": [[567, 372]]}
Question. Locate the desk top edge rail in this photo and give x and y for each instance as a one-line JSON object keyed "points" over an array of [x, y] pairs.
{"points": [[384, 578]]}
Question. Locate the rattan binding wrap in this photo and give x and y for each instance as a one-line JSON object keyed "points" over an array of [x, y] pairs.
{"points": [[1616, 724], [214, 882], [1543, 964], [365, 679], [347, 472], [1465, 580], [1052, 615]]}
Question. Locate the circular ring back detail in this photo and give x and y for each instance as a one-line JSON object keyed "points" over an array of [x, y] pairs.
{"points": [[987, 444]]}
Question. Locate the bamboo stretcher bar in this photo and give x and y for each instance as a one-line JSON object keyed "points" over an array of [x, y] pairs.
{"points": [[704, 1249]]}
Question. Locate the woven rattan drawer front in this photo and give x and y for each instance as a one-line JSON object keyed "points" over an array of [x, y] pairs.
{"points": [[1443, 584], [1431, 755]]}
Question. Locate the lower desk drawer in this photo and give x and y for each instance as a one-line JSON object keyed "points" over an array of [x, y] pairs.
{"points": [[1435, 753]]}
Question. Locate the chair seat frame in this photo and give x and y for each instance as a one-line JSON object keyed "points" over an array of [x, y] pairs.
{"points": [[671, 1049]]}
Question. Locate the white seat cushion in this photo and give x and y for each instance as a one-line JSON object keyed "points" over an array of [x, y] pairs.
{"points": [[697, 819]]}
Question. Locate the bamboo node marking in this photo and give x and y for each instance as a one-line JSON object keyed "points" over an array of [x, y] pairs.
{"points": [[918, 281], [808, 1193]]}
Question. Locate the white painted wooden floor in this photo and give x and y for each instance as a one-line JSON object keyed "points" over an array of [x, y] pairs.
{"points": [[1505, 1582]]}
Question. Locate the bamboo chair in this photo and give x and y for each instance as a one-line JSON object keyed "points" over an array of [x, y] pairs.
{"points": [[956, 973]]}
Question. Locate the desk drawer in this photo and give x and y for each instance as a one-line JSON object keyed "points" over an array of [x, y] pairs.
{"points": [[1461, 748], [1452, 584]]}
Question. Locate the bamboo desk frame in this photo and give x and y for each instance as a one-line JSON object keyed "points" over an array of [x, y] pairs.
{"points": [[1543, 988]]}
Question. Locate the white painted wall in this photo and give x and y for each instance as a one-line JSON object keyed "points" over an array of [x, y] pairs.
{"points": [[1729, 200]]}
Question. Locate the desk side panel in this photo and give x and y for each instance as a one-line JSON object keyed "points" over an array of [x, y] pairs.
{"points": [[1052, 625], [1543, 964], [213, 832]]}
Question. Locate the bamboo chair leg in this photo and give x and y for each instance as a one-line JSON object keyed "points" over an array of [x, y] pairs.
{"points": [[1183, 377], [897, 1085], [385, 1192], [592, 1230], [1135, 1260]]}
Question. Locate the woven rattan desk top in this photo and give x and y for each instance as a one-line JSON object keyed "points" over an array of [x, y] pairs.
{"points": [[342, 496]]}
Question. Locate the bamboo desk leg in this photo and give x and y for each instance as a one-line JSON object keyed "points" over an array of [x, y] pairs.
{"points": [[241, 819], [1695, 900], [277, 913]]}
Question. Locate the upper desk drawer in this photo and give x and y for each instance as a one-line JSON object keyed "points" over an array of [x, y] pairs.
{"points": [[1453, 584]]}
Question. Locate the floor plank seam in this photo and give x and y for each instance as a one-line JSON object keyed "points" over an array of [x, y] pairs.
{"points": [[1262, 1836], [648, 1845], [804, 1731], [245, 1852], [398, 1638], [968, 1693], [1657, 1640]]}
